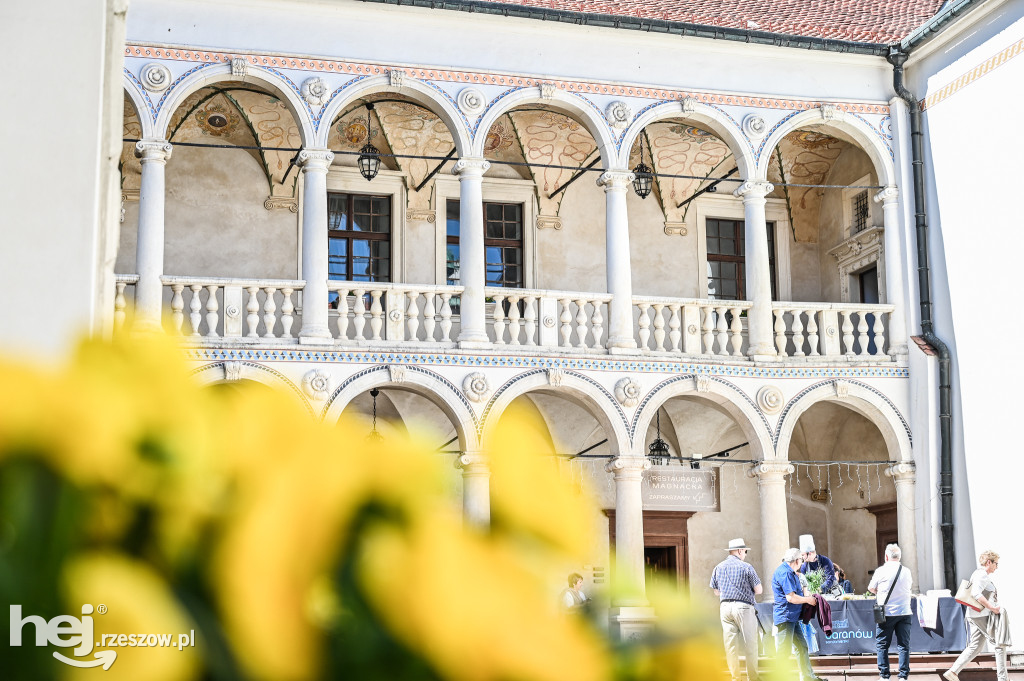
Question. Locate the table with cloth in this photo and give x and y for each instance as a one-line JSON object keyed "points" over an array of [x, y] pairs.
{"points": [[853, 628]]}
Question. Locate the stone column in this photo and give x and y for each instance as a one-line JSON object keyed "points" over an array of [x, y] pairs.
{"points": [[904, 475], [630, 615], [472, 267], [314, 164], [771, 490], [758, 272], [476, 488], [895, 286], [620, 278], [149, 250]]}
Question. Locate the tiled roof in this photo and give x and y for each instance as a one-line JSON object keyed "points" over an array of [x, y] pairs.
{"points": [[862, 21]]}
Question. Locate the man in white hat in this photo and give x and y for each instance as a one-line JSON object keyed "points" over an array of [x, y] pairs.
{"points": [[736, 584], [813, 561]]}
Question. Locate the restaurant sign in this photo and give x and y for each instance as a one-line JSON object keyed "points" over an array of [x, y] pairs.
{"points": [[677, 489]]}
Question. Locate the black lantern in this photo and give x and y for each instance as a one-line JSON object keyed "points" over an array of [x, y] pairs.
{"points": [[374, 437], [369, 155], [643, 180], [658, 451]]}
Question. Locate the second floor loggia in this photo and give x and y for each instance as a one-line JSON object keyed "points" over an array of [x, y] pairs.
{"points": [[544, 237]]}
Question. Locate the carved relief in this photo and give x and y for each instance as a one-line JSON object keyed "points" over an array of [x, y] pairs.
{"points": [[547, 90], [476, 387], [627, 392], [549, 222], [282, 203], [155, 77], [422, 215], [233, 371], [675, 228], [471, 101], [754, 126], [618, 114], [831, 112], [555, 377], [239, 67], [689, 105], [703, 383], [317, 384], [842, 389], [397, 373], [769, 399], [314, 91], [396, 77]]}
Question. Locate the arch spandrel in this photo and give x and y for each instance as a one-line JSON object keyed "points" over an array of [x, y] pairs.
{"points": [[577, 388], [423, 382], [232, 370], [858, 397], [142, 104]]}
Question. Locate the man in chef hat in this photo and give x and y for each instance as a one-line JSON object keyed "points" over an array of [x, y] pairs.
{"points": [[813, 561]]}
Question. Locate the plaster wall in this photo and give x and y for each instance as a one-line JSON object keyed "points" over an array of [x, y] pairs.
{"points": [[963, 230], [834, 218]]}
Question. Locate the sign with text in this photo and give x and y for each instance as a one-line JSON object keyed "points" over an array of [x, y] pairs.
{"points": [[677, 489]]}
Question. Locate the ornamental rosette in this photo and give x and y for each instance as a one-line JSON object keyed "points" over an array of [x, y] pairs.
{"points": [[316, 384], [627, 392], [769, 399], [314, 91], [155, 77], [754, 126], [476, 386], [471, 101], [618, 114]]}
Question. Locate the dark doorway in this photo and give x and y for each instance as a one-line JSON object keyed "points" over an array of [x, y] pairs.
{"points": [[666, 551], [660, 563], [869, 296], [885, 527]]}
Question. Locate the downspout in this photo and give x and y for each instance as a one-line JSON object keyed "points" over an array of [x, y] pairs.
{"points": [[897, 57]]}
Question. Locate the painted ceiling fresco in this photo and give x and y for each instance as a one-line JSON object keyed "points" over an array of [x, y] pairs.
{"points": [[240, 115]]}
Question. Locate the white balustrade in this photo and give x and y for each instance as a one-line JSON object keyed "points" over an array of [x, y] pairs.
{"points": [[831, 330], [695, 326], [121, 282], [230, 308], [374, 313], [525, 317]]}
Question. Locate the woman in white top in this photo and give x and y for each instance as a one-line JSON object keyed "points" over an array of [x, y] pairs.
{"points": [[573, 598], [985, 625]]}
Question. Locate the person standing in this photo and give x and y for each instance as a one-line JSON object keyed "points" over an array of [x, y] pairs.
{"points": [[812, 562], [736, 583], [985, 625], [573, 598], [789, 598], [892, 581]]}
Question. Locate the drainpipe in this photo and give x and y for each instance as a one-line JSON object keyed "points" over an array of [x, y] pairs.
{"points": [[897, 57]]}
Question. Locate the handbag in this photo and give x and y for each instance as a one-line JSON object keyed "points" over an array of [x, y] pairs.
{"points": [[964, 597], [879, 608]]}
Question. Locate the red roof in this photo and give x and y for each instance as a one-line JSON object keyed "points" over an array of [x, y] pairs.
{"points": [[862, 21]]}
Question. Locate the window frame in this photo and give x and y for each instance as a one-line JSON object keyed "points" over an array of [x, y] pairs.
{"points": [[493, 242], [351, 235]]}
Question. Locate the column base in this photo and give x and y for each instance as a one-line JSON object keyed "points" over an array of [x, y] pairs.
{"points": [[631, 622], [622, 348], [313, 339], [146, 327], [474, 343]]}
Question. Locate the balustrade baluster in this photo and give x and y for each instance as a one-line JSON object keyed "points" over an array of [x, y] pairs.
{"points": [[513, 320], [709, 329], [565, 321], [812, 333], [659, 328], [597, 324], [879, 330], [530, 317], [644, 326], [499, 320], [177, 306], [252, 309], [212, 316], [862, 332], [847, 332], [674, 335], [269, 312], [780, 331], [798, 334], [120, 304], [359, 316], [723, 331], [446, 317], [376, 314], [287, 308], [581, 323], [194, 306], [736, 332], [429, 316], [412, 315], [343, 314]]}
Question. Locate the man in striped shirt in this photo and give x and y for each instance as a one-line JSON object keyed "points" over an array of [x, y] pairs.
{"points": [[736, 584]]}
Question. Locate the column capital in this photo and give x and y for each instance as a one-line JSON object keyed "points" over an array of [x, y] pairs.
{"points": [[471, 459], [903, 471], [153, 150], [615, 179], [471, 167], [754, 189], [315, 159], [626, 465], [888, 194], [770, 470]]}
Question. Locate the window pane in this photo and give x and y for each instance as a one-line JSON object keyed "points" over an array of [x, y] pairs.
{"points": [[337, 247], [452, 265], [362, 205], [512, 256], [727, 246], [493, 254], [360, 248], [729, 288], [452, 216], [493, 211], [337, 204], [513, 212], [728, 270], [380, 249], [382, 224]]}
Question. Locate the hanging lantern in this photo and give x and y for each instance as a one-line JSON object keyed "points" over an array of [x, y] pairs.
{"points": [[369, 155], [643, 180], [374, 435], [658, 451]]}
